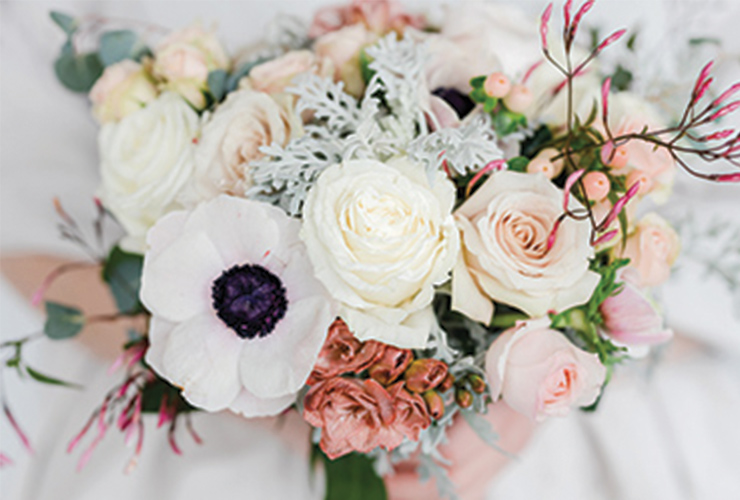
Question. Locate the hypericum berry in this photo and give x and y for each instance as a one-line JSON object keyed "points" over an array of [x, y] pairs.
{"points": [[597, 185], [541, 165], [497, 85], [518, 99]]}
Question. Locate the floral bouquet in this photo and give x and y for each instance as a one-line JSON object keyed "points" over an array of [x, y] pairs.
{"points": [[380, 222]]}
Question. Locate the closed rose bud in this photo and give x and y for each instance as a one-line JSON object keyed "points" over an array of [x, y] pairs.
{"points": [[497, 85], [477, 384], [435, 404], [425, 374], [391, 365], [463, 398], [447, 383], [518, 99]]}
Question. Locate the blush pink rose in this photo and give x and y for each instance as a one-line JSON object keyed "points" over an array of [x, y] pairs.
{"points": [[379, 16], [539, 373], [631, 319], [275, 75], [652, 249], [353, 415], [343, 353]]}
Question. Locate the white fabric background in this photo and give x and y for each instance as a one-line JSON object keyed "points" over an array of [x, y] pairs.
{"points": [[668, 434]]}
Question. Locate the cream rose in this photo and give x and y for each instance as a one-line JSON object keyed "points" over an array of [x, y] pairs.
{"points": [[539, 373], [231, 139], [652, 248], [505, 226], [380, 237], [123, 88], [342, 48], [184, 59], [145, 160]]}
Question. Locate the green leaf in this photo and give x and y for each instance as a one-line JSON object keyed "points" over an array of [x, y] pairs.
{"points": [[78, 72], [62, 322], [478, 81], [489, 104], [155, 391], [352, 477], [365, 70], [217, 84], [622, 78], [704, 40], [241, 72], [46, 379], [518, 164], [122, 272], [68, 23], [115, 46]]}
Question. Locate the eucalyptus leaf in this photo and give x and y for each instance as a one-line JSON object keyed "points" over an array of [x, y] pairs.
{"points": [[46, 379], [68, 23], [122, 272], [115, 46], [78, 72], [518, 164], [352, 477], [240, 73], [217, 84], [62, 322]]}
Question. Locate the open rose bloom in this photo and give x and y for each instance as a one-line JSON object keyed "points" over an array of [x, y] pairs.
{"points": [[383, 221]]}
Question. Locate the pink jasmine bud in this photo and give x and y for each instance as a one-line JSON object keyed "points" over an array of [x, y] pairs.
{"points": [[171, 439], [435, 404], [490, 167], [729, 177], [719, 135], [579, 16], [703, 89], [425, 374], [606, 237], [566, 12], [518, 99], [611, 39], [391, 365], [702, 76], [164, 412], [497, 85], [569, 183], [553, 234], [17, 428], [605, 99], [543, 25], [607, 153], [725, 110], [531, 70], [619, 205], [726, 95], [191, 430], [597, 185]]}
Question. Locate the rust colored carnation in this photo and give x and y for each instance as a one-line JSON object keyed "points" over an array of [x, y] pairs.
{"points": [[391, 364], [425, 374], [412, 415], [344, 353]]}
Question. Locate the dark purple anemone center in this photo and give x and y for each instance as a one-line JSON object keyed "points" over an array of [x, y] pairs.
{"points": [[250, 300]]}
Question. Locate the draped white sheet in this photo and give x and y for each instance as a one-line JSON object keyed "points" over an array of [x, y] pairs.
{"points": [[666, 432]]}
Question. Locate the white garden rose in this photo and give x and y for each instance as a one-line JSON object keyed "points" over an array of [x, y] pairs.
{"points": [[505, 226], [380, 237], [145, 160], [231, 139]]}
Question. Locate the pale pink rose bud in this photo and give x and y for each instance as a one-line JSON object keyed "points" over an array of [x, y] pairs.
{"points": [[539, 373], [342, 353], [631, 319], [391, 364], [597, 185], [497, 85], [552, 155], [425, 374], [541, 165], [652, 249], [123, 88], [518, 99]]}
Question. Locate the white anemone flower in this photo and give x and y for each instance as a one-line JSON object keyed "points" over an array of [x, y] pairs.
{"points": [[238, 318]]}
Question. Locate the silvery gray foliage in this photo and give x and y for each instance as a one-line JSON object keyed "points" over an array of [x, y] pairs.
{"points": [[328, 101], [469, 147]]}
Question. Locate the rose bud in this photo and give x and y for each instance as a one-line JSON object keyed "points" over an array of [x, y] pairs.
{"points": [[425, 374], [447, 383], [477, 384], [463, 398], [391, 365], [435, 404]]}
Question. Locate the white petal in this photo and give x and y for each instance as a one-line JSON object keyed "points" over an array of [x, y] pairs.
{"points": [[201, 357], [250, 405], [167, 230], [159, 333], [176, 283], [467, 297], [279, 364], [578, 293], [412, 333]]}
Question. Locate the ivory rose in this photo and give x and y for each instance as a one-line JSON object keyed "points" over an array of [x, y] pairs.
{"points": [[504, 230], [539, 373], [381, 237], [359, 415], [652, 248], [184, 59], [231, 139], [145, 161], [123, 88]]}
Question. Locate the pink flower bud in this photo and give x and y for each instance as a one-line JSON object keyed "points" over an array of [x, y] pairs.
{"points": [[391, 365], [605, 97], [518, 99], [619, 205], [703, 89], [569, 183], [606, 237], [566, 12], [579, 16], [597, 185], [726, 95], [729, 177], [497, 85], [553, 234], [611, 39], [425, 374], [543, 25], [725, 110], [702, 76]]}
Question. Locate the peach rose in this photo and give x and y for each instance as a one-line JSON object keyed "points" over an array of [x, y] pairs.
{"points": [[652, 249], [631, 319], [123, 88], [274, 76], [342, 48], [343, 353], [379, 16], [504, 230], [539, 373]]}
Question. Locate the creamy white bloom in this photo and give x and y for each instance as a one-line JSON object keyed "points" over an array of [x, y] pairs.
{"points": [[145, 160], [123, 88], [238, 319], [505, 226], [380, 237], [231, 139]]}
